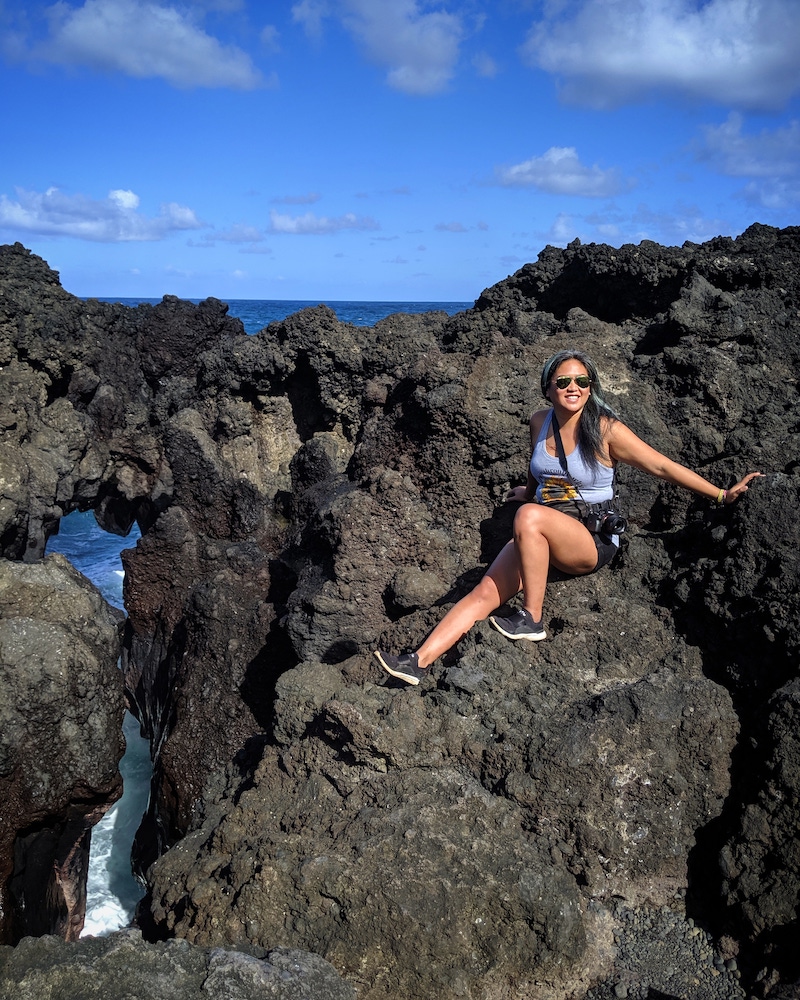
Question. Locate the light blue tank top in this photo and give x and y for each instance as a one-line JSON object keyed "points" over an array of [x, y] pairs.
{"points": [[596, 484]]}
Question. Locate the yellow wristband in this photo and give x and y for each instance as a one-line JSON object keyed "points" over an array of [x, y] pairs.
{"points": [[721, 496]]}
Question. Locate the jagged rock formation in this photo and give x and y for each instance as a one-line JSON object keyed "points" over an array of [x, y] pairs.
{"points": [[123, 967], [61, 706], [314, 489]]}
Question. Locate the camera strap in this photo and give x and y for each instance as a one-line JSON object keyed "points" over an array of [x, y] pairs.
{"points": [[562, 459]]}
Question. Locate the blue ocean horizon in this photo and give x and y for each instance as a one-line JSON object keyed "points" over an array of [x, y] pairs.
{"points": [[256, 314]]}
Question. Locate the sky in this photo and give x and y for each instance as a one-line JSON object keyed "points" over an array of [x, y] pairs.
{"points": [[384, 150]]}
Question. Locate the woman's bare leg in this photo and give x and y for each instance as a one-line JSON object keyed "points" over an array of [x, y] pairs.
{"points": [[499, 584], [542, 537], [545, 538]]}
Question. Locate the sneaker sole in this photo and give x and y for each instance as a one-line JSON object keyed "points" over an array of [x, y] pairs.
{"points": [[408, 678], [530, 636]]}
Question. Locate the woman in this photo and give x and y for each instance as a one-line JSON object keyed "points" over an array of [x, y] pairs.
{"points": [[563, 478]]}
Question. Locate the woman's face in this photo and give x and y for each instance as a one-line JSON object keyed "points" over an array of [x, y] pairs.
{"points": [[572, 397]]}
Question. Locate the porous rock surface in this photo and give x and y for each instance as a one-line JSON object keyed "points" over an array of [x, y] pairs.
{"points": [[61, 706], [530, 822], [122, 966]]}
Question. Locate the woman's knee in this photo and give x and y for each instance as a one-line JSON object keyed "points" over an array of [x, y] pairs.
{"points": [[528, 518], [485, 598]]}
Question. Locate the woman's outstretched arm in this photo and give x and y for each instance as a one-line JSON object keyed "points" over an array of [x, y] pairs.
{"points": [[625, 446]]}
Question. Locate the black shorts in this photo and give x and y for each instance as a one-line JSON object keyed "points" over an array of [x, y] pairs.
{"points": [[606, 550]]}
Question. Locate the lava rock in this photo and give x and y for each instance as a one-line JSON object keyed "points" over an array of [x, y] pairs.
{"points": [[61, 707], [318, 489], [122, 966]]}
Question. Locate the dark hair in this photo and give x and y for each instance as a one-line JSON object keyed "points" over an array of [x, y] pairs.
{"points": [[590, 437]]}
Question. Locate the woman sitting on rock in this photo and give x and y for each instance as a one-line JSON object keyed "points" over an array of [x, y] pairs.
{"points": [[576, 445]]}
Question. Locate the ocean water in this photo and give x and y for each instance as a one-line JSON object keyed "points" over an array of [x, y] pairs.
{"points": [[112, 890], [255, 314]]}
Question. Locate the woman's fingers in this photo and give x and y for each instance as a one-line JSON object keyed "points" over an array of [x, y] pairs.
{"points": [[741, 487]]}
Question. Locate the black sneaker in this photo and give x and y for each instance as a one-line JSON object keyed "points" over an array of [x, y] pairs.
{"points": [[520, 625], [406, 666]]}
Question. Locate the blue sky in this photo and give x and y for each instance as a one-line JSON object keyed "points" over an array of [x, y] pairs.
{"points": [[384, 149]]}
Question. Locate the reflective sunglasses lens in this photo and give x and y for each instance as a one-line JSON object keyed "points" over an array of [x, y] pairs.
{"points": [[582, 381]]}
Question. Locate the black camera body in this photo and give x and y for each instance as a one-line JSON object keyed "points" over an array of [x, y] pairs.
{"points": [[606, 522]]}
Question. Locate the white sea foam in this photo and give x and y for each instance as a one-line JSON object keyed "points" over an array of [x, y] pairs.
{"points": [[105, 912], [112, 891]]}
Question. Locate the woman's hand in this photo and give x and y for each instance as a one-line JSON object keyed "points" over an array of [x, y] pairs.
{"points": [[741, 487], [518, 494]]}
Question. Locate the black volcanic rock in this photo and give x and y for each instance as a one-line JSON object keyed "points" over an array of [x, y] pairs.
{"points": [[529, 821], [486, 819], [124, 967], [61, 707]]}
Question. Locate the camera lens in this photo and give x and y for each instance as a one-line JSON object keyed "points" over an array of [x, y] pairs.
{"points": [[615, 523]]}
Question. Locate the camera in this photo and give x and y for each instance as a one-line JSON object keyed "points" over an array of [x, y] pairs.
{"points": [[606, 522]]}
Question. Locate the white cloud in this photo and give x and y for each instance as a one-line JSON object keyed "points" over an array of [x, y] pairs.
{"points": [[145, 39], [563, 230], [559, 171], [419, 49], [772, 195], [179, 216], [317, 225], [672, 228], [125, 199], [310, 13], [741, 53], [451, 227], [112, 220], [773, 153], [770, 159]]}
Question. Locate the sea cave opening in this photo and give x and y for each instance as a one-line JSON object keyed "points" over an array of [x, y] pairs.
{"points": [[112, 891]]}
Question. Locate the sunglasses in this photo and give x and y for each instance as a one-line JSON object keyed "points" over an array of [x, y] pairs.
{"points": [[582, 381]]}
